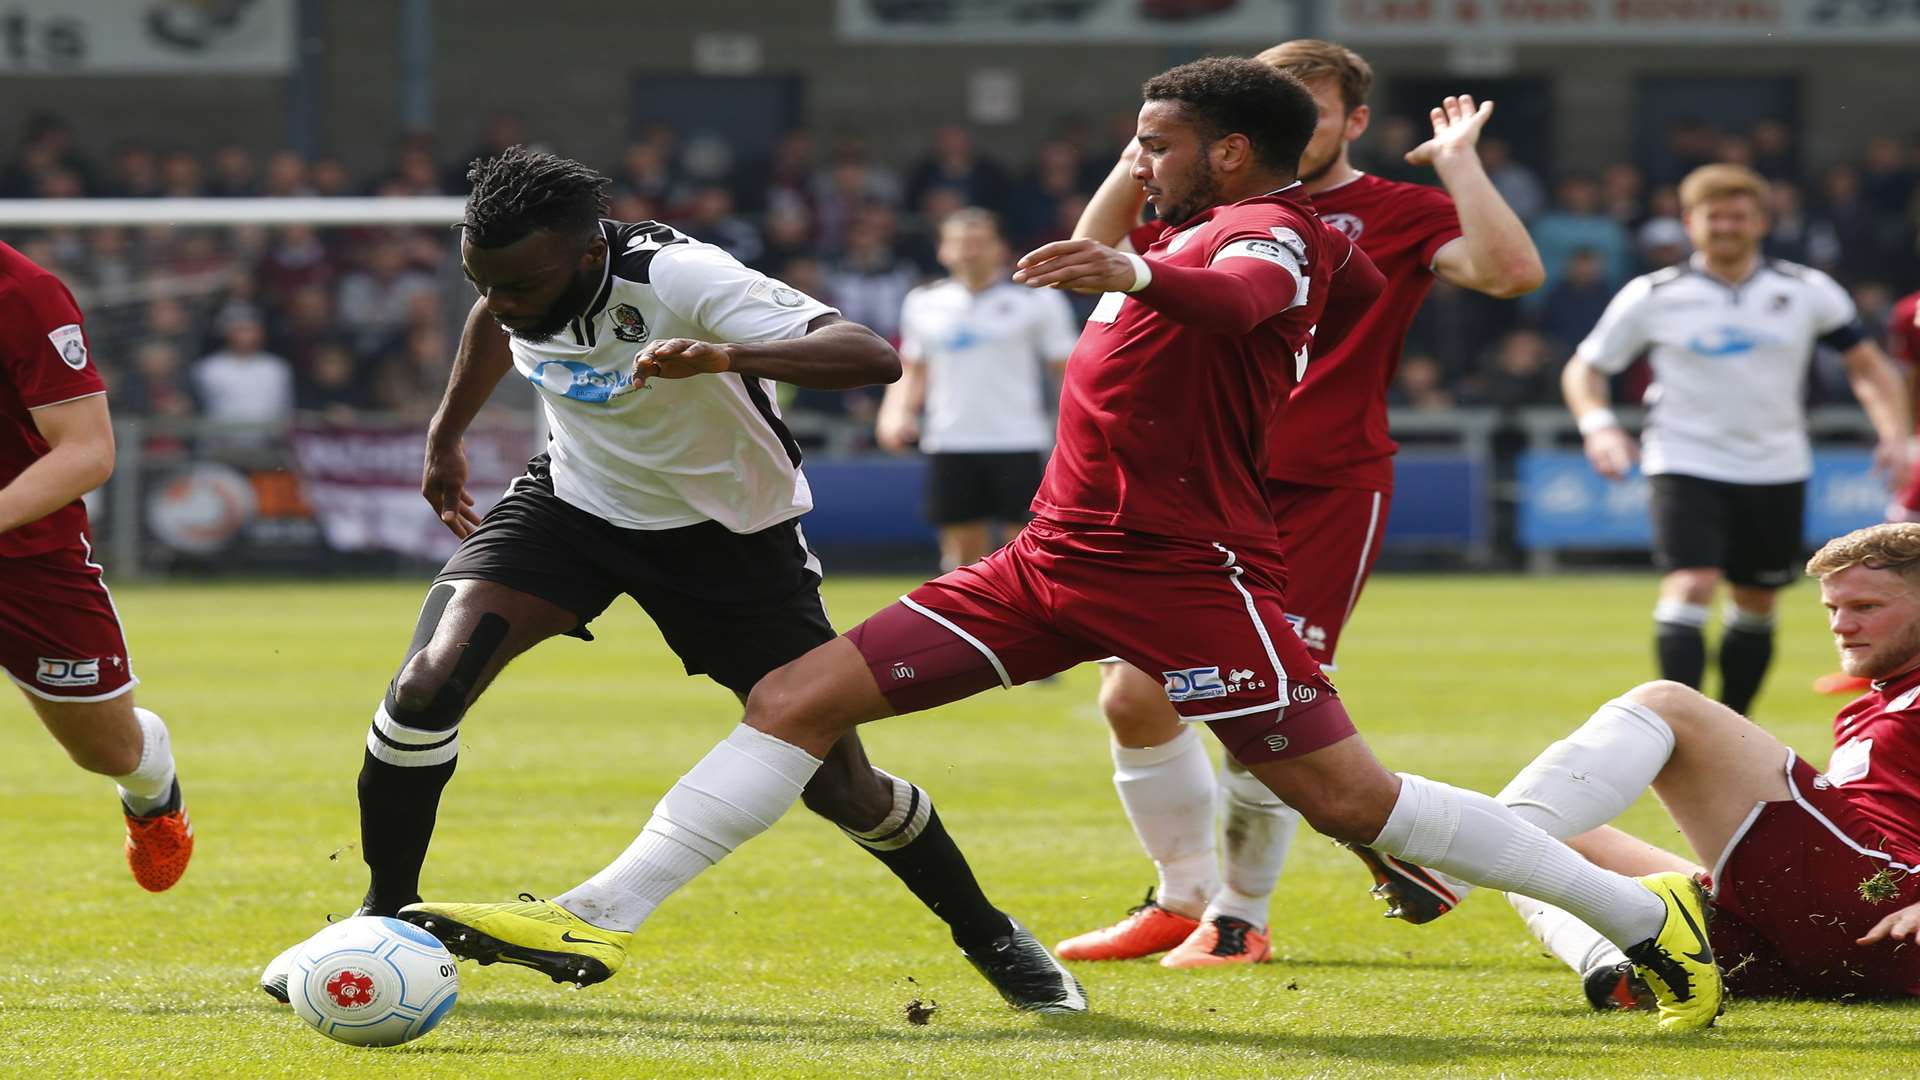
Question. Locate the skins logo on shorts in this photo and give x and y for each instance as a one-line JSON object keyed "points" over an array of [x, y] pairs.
{"points": [[1194, 684], [71, 343], [53, 672], [902, 672], [1304, 694]]}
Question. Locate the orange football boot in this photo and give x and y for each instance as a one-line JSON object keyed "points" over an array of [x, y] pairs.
{"points": [[1840, 682], [1147, 929], [159, 846], [1222, 939]]}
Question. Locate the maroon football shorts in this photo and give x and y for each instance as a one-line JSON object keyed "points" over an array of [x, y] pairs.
{"points": [[1205, 619], [1330, 538], [1789, 905], [59, 635]]}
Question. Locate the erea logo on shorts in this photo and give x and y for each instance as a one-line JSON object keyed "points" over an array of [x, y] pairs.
{"points": [[53, 672]]}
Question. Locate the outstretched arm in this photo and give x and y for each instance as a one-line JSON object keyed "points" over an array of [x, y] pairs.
{"points": [[833, 354], [1493, 254], [1232, 296]]}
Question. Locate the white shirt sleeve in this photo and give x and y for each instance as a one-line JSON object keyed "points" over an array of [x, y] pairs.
{"points": [[1621, 333], [1832, 305], [711, 289], [1054, 327]]}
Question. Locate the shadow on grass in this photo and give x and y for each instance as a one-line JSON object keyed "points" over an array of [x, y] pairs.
{"points": [[1608, 1036]]}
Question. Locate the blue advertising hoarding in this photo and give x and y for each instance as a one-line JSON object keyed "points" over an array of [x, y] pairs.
{"points": [[1565, 505]]}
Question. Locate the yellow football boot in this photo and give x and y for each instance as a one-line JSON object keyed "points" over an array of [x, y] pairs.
{"points": [[1678, 964], [539, 934]]}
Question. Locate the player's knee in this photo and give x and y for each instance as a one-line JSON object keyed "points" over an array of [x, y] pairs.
{"points": [[1352, 813], [1676, 702], [777, 704], [1137, 710], [418, 685]]}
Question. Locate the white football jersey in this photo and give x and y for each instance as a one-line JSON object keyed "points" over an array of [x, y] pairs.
{"points": [[1729, 365], [679, 451], [986, 355]]}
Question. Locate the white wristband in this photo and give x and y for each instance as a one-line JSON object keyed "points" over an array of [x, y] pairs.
{"points": [[1142, 273], [1597, 420]]}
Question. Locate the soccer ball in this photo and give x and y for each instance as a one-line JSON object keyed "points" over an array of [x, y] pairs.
{"points": [[373, 981]]}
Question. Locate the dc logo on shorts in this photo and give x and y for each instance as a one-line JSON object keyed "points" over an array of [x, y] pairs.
{"points": [[1194, 684], [53, 672]]}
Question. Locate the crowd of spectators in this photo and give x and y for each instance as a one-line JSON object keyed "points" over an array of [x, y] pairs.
{"points": [[251, 324]]}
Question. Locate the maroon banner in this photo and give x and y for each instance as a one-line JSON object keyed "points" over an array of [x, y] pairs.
{"points": [[364, 484]]}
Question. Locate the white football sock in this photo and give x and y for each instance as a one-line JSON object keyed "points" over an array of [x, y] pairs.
{"points": [[1469, 836], [1590, 777], [1576, 944], [150, 784], [734, 794], [1167, 791], [1259, 830]]}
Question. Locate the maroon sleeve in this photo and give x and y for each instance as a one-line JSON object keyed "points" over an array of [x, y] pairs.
{"points": [[43, 343], [1356, 284], [1434, 220], [1231, 297]]}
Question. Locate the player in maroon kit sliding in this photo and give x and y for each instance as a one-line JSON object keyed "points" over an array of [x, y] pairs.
{"points": [[1153, 541], [60, 638], [1812, 879], [1329, 480]]}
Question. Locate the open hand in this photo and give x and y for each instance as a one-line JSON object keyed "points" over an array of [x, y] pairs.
{"points": [[443, 483], [1083, 266], [1456, 129], [1902, 926], [1611, 451]]}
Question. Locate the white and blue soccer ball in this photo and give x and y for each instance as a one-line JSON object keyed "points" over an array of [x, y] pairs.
{"points": [[373, 981]]}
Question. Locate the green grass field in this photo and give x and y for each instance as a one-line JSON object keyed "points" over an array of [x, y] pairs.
{"points": [[797, 956]]}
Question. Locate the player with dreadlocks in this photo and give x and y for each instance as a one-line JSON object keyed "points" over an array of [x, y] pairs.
{"points": [[683, 493]]}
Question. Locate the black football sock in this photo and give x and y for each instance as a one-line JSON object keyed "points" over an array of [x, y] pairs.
{"points": [[1678, 642], [912, 842], [1746, 651], [397, 809]]}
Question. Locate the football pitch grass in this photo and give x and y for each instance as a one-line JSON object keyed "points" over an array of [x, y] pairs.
{"points": [[799, 955]]}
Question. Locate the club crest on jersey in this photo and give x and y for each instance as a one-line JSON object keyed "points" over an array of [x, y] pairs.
{"points": [[54, 672], [71, 343], [1346, 223], [581, 382], [627, 323], [1194, 684]]}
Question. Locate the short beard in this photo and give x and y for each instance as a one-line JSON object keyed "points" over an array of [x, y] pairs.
{"points": [[1205, 192], [571, 303], [1310, 177], [1888, 659]]}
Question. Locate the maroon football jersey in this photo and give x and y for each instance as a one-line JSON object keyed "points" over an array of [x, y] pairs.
{"points": [[1333, 431], [1876, 759], [43, 361], [1162, 424]]}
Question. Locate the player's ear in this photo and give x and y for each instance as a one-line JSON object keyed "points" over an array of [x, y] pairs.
{"points": [[1232, 153], [1357, 121]]}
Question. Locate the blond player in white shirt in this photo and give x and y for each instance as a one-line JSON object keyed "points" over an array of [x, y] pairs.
{"points": [[979, 355], [1730, 335]]}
